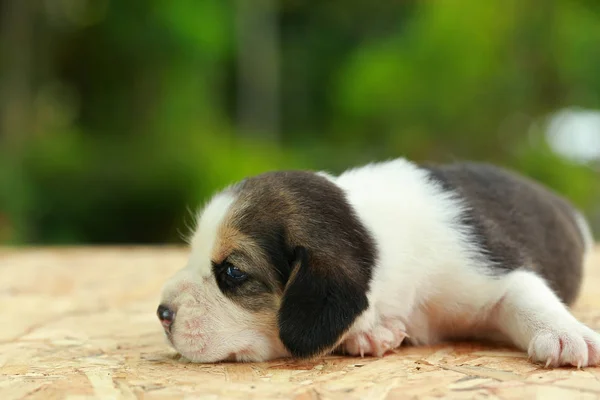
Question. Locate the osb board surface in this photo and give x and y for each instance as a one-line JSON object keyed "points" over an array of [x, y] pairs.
{"points": [[80, 323]]}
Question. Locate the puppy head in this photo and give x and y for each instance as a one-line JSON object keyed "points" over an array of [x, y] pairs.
{"points": [[280, 265]]}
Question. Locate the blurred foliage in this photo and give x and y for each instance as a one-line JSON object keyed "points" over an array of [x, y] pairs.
{"points": [[120, 117]]}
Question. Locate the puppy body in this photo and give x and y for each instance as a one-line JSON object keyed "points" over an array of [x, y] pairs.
{"points": [[384, 253], [468, 251]]}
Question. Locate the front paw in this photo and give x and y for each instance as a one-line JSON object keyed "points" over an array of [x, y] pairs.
{"points": [[578, 346], [377, 341]]}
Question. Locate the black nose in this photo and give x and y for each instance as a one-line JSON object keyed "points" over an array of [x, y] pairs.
{"points": [[166, 315]]}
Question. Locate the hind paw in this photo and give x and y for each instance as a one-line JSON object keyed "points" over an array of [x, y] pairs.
{"points": [[577, 345]]}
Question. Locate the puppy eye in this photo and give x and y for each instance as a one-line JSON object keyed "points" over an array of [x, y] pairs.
{"points": [[235, 273]]}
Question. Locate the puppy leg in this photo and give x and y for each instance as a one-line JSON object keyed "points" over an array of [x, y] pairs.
{"points": [[534, 318]]}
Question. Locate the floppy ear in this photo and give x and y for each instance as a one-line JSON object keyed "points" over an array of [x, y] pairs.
{"points": [[320, 303]]}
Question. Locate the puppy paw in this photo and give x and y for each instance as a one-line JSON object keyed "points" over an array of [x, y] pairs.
{"points": [[578, 346], [377, 341]]}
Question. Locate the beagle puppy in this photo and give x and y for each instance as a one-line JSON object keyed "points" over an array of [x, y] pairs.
{"points": [[303, 264]]}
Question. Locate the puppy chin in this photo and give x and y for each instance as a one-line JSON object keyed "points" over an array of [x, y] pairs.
{"points": [[259, 354], [258, 349], [245, 355]]}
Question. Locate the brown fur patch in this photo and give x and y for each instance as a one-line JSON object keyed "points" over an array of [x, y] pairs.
{"points": [[228, 239], [261, 294]]}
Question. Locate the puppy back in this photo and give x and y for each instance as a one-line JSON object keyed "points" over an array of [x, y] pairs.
{"points": [[518, 223]]}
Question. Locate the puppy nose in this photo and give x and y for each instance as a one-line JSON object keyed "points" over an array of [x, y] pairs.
{"points": [[166, 315]]}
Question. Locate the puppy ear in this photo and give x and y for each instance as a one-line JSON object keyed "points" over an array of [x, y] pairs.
{"points": [[320, 303]]}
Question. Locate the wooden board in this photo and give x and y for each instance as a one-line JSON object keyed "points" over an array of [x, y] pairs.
{"points": [[80, 324]]}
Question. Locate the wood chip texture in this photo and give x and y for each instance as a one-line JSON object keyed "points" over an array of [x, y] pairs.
{"points": [[80, 324]]}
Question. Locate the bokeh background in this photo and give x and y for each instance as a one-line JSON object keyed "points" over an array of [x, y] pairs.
{"points": [[119, 118]]}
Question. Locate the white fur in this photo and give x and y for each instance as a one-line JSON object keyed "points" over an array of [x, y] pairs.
{"points": [[423, 253], [429, 284], [203, 239]]}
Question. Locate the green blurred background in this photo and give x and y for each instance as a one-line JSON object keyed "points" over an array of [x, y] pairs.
{"points": [[119, 117]]}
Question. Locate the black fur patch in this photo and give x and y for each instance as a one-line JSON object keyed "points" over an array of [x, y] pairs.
{"points": [[316, 309], [517, 223]]}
